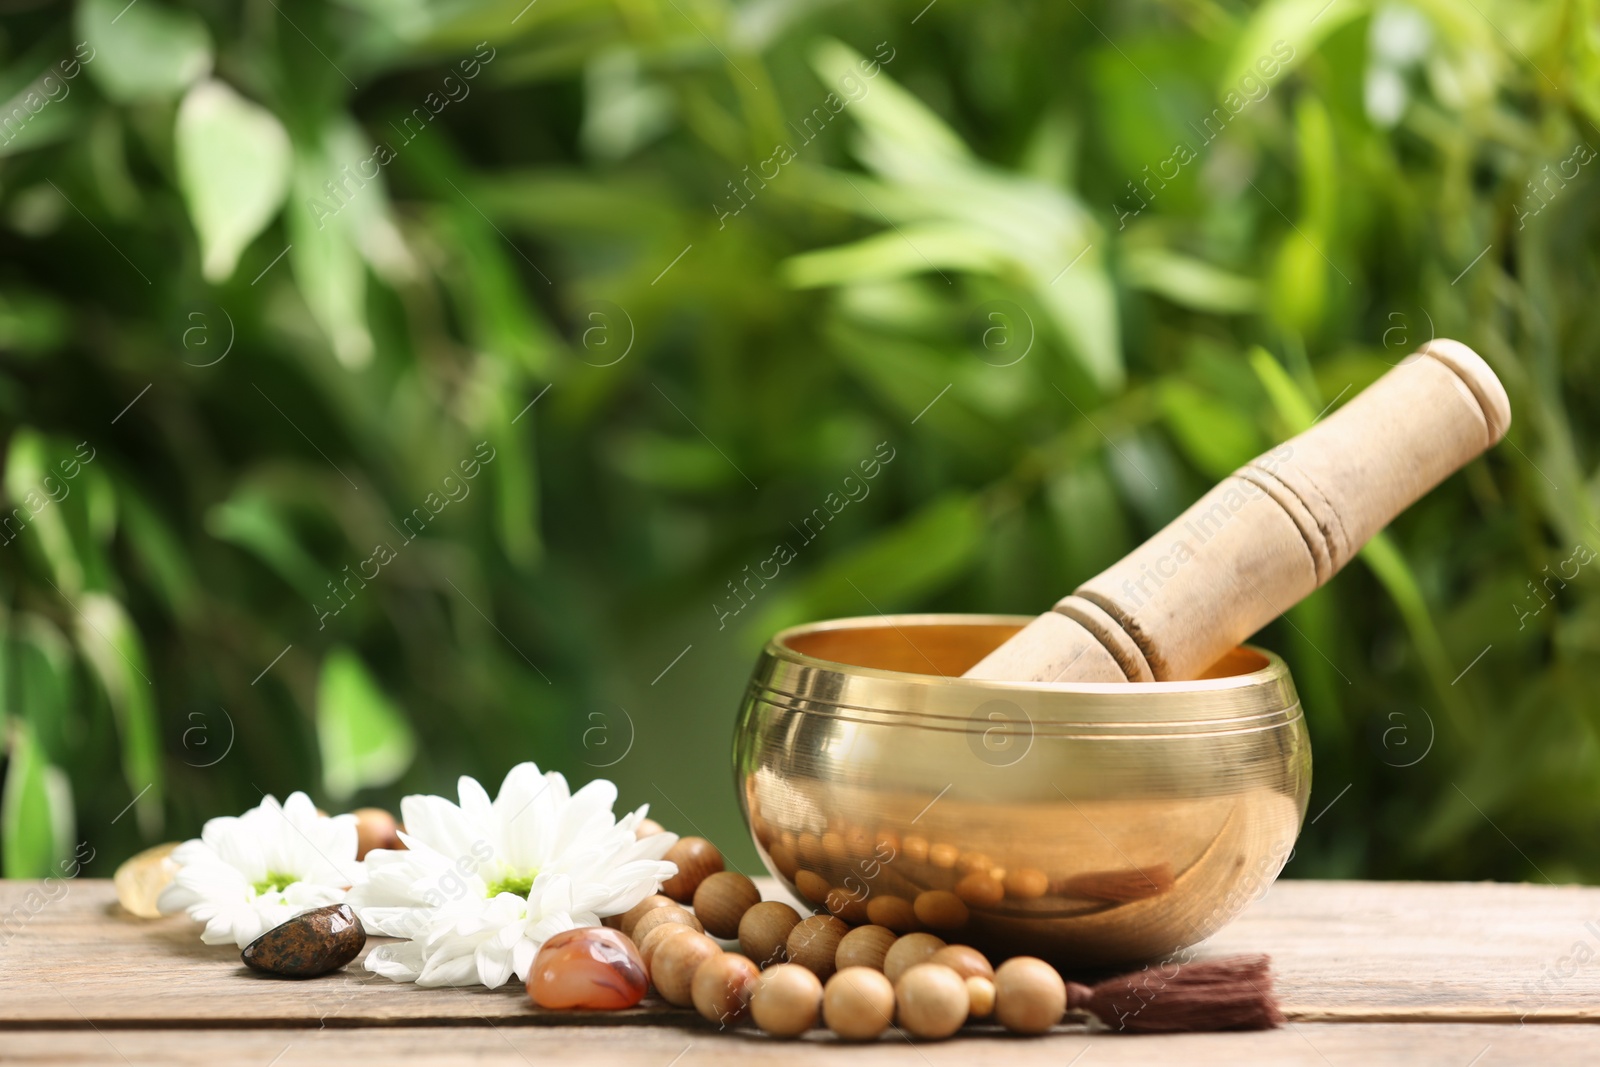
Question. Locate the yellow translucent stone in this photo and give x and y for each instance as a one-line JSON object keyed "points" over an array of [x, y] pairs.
{"points": [[141, 879]]}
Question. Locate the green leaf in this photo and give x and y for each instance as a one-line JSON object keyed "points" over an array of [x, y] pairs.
{"points": [[326, 257], [107, 638], [40, 683], [31, 323], [143, 50], [678, 463], [364, 738], [37, 491], [364, 207], [1286, 397], [516, 500], [886, 109], [36, 817], [1281, 34], [233, 167], [908, 250], [1080, 489], [154, 545], [251, 520], [891, 572], [1210, 431], [495, 302], [1190, 282], [1390, 567]]}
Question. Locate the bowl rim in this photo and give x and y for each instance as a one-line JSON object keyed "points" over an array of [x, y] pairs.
{"points": [[777, 647]]}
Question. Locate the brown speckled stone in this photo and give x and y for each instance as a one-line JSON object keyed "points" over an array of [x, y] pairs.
{"points": [[312, 943]]}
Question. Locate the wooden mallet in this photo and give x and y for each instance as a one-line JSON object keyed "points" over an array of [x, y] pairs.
{"points": [[1269, 534]]}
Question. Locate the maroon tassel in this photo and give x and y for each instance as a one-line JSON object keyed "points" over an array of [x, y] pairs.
{"points": [[1229, 994]]}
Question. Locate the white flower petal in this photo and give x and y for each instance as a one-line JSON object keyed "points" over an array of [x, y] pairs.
{"points": [[578, 859], [443, 826], [245, 875], [400, 962]]}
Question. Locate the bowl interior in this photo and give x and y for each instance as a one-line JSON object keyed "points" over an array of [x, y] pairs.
{"points": [[948, 649]]}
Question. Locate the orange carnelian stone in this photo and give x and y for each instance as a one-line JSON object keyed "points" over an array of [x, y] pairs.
{"points": [[592, 967]]}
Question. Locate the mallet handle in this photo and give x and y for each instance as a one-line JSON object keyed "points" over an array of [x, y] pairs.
{"points": [[1269, 534]]}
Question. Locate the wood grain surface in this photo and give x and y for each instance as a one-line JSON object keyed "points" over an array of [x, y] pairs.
{"points": [[1302, 1045], [1443, 969]]}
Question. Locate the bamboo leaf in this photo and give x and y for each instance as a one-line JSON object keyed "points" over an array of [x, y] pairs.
{"points": [[143, 50], [233, 167], [107, 639], [35, 812], [328, 265], [363, 737], [890, 572]]}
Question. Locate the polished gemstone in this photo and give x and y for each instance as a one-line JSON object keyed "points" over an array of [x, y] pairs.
{"points": [[312, 943], [592, 968]]}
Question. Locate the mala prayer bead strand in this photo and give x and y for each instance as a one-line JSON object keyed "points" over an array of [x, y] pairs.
{"points": [[861, 980]]}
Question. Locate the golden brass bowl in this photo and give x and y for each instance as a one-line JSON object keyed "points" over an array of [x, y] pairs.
{"points": [[1090, 824]]}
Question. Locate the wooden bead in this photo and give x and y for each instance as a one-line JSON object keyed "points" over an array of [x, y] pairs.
{"points": [[648, 828], [814, 942], [675, 963], [1026, 883], [939, 909], [722, 988], [980, 992], [895, 913], [916, 848], [944, 856], [846, 905], [764, 932], [980, 889], [965, 960], [858, 1003], [721, 901], [811, 886], [696, 859], [865, 946], [1029, 996], [662, 917], [909, 951], [658, 937], [931, 1001], [631, 917], [786, 1001], [375, 828]]}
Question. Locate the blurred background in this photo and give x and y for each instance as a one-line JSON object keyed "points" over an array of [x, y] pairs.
{"points": [[397, 389]]}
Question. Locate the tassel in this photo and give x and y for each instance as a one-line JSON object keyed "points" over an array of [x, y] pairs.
{"points": [[1228, 994], [1119, 887]]}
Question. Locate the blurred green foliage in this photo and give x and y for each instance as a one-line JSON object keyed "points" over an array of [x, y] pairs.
{"points": [[433, 376]]}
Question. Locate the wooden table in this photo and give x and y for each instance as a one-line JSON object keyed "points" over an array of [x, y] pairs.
{"points": [[1369, 973]]}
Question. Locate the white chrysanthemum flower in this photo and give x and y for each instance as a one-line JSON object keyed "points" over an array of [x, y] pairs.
{"points": [[485, 883], [243, 876]]}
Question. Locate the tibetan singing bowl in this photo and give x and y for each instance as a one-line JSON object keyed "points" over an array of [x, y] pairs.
{"points": [[1092, 824]]}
